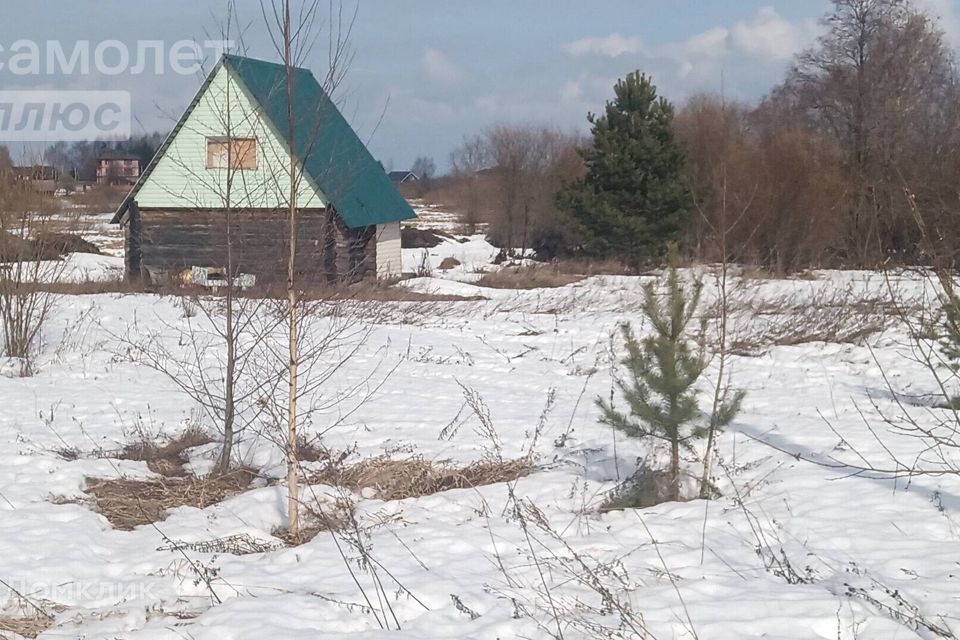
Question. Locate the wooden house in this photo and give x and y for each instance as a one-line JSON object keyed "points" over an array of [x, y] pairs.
{"points": [[218, 190], [403, 177]]}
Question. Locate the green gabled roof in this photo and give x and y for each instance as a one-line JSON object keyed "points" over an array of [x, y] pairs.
{"points": [[351, 180]]}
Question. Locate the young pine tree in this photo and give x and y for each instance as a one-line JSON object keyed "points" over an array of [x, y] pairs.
{"points": [[661, 371], [633, 201]]}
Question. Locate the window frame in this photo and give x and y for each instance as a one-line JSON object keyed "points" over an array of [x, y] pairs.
{"points": [[232, 144]]}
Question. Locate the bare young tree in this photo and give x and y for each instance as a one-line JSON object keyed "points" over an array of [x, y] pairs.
{"points": [[467, 161], [294, 38], [218, 370], [725, 402]]}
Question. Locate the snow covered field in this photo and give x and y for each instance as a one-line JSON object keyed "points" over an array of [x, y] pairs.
{"points": [[461, 563]]}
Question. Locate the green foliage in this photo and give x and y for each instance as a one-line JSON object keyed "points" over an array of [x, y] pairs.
{"points": [[729, 407], [662, 369], [633, 201]]}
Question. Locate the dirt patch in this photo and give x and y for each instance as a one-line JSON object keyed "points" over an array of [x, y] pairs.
{"points": [[415, 477], [166, 459], [131, 503], [533, 277], [47, 245], [413, 238], [63, 243]]}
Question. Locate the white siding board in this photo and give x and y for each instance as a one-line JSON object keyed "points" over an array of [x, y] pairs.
{"points": [[389, 253], [181, 178]]}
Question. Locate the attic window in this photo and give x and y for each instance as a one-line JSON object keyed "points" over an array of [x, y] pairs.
{"points": [[237, 153]]}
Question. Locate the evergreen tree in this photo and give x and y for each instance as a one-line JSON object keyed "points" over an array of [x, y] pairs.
{"points": [[661, 371], [633, 201]]}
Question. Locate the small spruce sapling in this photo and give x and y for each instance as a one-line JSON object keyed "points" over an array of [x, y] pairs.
{"points": [[662, 370]]}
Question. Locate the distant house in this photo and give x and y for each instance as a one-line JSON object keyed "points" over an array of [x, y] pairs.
{"points": [[230, 153], [403, 177], [117, 169], [41, 178]]}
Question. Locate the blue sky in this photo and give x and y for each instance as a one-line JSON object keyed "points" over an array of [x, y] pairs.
{"points": [[431, 71]]}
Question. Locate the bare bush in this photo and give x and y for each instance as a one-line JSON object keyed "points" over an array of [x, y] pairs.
{"points": [[771, 192], [214, 355], [31, 255], [508, 177]]}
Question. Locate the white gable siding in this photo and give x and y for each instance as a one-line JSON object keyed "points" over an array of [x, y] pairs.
{"points": [[389, 254], [181, 178]]}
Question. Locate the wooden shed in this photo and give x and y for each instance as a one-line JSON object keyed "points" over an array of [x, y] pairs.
{"points": [[219, 185]]}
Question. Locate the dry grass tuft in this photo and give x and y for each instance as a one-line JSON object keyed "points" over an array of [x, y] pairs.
{"points": [[28, 627], [241, 544], [131, 503], [593, 267], [415, 477], [532, 277], [338, 517], [167, 459], [837, 317]]}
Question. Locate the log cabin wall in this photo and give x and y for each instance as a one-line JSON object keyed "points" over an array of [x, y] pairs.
{"points": [[174, 240], [356, 252]]}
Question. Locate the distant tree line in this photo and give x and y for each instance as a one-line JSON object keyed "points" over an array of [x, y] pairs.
{"points": [[832, 168]]}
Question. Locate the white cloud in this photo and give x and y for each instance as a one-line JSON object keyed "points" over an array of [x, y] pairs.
{"points": [[711, 43], [611, 46], [765, 35], [770, 35], [441, 69]]}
